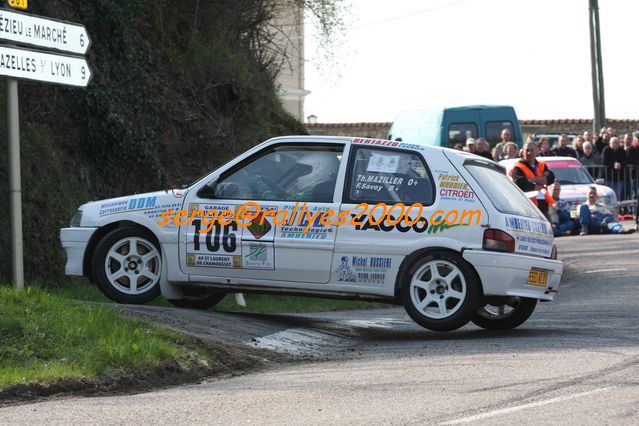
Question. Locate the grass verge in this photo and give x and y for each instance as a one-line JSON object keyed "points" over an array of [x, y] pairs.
{"points": [[257, 303], [46, 337]]}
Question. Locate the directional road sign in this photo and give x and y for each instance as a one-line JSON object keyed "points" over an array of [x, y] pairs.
{"points": [[39, 66], [43, 32]]}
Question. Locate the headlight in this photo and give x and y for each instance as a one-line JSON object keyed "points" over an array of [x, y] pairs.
{"points": [[76, 219]]}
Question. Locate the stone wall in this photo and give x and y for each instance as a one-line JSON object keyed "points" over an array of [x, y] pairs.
{"points": [[528, 127]]}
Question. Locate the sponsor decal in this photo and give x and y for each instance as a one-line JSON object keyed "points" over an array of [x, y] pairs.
{"points": [[363, 269], [344, 272], [528, 225], [213, 261], [178, 193], [380, 142], [259, 227], [258, 256], [441, 225], [454, 187], [307, 225], [418, 225], [531, 236], [411, 146], [146, 205]]}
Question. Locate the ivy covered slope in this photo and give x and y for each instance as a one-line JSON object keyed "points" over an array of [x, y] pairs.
{"points": [[178, 88]]}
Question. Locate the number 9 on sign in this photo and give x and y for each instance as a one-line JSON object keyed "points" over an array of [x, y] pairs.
{"points": [[18, 4]]}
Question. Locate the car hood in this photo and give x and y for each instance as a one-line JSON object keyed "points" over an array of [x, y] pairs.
{"points": [[577, 194], [149, 205]]}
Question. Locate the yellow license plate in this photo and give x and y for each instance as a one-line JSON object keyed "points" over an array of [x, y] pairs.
{"points": [[537, 277], [20, 4]]}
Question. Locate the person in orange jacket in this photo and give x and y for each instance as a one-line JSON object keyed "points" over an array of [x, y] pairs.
{"points": [[533, 177]]}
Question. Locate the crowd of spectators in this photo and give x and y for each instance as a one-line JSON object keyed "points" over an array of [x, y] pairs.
{"points": [[607, 156]]}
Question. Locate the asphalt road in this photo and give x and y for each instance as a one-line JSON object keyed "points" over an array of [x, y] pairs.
{"points": [[575, 361]]}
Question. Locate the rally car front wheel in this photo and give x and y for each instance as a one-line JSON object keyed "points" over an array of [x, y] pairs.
{"points": [[441, 291], [127, 264], [510, 314]]}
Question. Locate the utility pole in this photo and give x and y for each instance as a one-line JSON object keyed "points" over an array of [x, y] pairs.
{"points": [[598, 98]]}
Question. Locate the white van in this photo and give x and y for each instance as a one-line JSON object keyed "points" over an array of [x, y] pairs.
{"points": [[444, 233]]}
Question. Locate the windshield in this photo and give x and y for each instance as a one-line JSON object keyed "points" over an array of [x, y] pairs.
{"points": [[502, 192], [569, 172]]}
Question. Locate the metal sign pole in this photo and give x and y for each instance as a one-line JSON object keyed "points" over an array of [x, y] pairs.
{"points": [[15, 187]]}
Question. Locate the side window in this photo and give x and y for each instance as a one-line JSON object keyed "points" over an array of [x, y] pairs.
{"points": [[459, 132], [494, 128], [288, 173], [389, 176]]}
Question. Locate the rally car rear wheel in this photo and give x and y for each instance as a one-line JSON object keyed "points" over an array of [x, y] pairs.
{"points": [[127, 264], [507, 315], [441, 292]]}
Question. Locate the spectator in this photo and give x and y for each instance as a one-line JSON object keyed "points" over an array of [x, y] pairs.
{"points": [[470, 145], [544, 148], [595, 218], [627, 141], [510, 151], [632, 155], [602, 141], [532, 175], [458, 147], [591, 161], [483, 148], [499, 148], [559, 212], [562, 149], [577, 143], [588, 137], [614, 158]]}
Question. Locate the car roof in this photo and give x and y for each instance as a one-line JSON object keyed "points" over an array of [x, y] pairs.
{"points": [[364, 141]]}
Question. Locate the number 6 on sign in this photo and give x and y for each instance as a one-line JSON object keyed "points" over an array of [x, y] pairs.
{"points": [[18, 4]]}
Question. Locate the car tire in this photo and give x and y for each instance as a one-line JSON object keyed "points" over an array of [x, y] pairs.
{"points": [[441, 291], [202, 301], [490, 320], [127, 264]]}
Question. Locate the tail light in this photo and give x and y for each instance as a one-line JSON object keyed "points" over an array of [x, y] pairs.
{"points": [[497, 240]]}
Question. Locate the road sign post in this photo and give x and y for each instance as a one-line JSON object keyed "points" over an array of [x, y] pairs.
{"points": [[15, 186], [28, 64]]}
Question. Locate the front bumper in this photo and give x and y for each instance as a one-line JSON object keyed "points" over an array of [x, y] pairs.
{"points": [[74, 242], [506, 274]]}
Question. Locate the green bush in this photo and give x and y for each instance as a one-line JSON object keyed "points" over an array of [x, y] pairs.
{"points": [[174, 94]]}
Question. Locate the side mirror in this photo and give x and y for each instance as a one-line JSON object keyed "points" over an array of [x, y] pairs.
{"points": [[600, 181], [208, 190]]}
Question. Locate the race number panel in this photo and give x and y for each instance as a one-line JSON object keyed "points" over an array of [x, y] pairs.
{"points": [[219, 247]]}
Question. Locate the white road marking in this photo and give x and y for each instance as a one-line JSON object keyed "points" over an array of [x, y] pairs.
{"points": [[594, 271], [525, 406]]}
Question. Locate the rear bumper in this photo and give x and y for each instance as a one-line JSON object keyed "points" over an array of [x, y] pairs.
{"points": [[506, 274], [74, 242]]}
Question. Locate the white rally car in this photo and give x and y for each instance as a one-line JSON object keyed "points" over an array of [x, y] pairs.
{"points": [[461, 242]]}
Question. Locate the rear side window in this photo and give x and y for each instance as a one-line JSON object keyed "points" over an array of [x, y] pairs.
{"points": [[494, 128], [388, 176], [502, 192], [459, 132]]}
